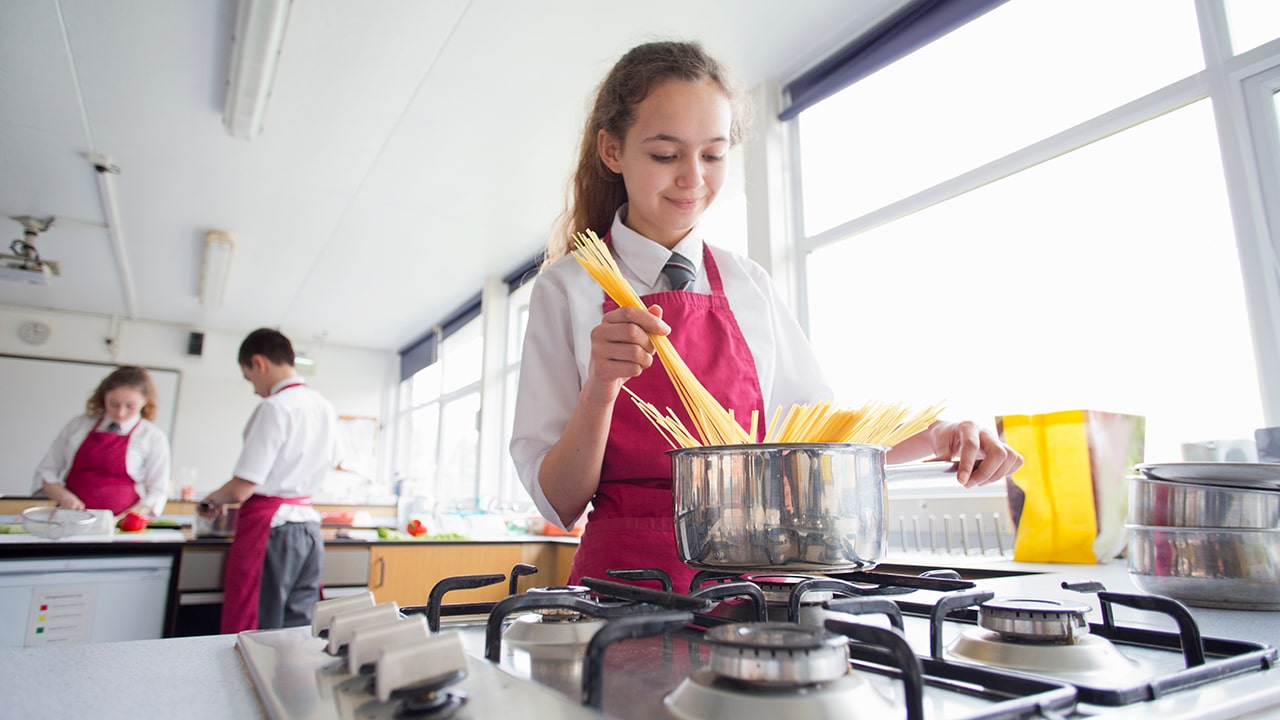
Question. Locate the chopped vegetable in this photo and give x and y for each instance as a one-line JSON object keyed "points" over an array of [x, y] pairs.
{"points": [[447, 536], [133, 522]]}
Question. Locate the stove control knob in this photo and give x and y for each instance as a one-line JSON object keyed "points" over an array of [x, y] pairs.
{"points": [[369, 643], [435, 662], [323, 612], [344, 626]]}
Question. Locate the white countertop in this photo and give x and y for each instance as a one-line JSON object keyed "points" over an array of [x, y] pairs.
{"points": [[155, 535], [190, 678]]}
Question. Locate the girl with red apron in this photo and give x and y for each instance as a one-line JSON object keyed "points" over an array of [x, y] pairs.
{"points": [[631, 525], [99, 473], [242, 581]]}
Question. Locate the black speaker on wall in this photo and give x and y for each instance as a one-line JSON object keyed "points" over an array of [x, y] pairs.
{"points": [[195, 343]]}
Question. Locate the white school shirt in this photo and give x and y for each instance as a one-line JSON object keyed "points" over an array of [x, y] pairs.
{"points": [[566, 305], [290, 443], [146, 459]]}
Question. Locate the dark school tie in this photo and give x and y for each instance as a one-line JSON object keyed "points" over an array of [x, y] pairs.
{"points": [[679, 271], [113, 427]]}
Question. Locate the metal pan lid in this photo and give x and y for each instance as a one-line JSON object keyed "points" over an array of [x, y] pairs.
{"points": [[1255, 476]]}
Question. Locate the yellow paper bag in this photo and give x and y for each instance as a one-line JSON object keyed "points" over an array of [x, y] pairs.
{"points": [[1070, 497]]}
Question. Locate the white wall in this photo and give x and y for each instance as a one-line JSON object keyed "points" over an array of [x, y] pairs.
{"points": [[214, 401]]}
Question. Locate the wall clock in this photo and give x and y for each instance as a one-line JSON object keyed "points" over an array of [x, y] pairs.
{"points": [[33, 332]]}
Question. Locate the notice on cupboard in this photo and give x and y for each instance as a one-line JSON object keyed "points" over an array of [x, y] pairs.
{"points": [[60, 614]]}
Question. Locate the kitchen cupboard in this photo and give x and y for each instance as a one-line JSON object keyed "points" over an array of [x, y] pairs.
{"points": [[346, 567], [54, 593], [406, 572]]}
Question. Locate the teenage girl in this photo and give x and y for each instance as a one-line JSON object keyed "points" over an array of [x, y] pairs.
{"points": [[652, 160], [112, 457]]}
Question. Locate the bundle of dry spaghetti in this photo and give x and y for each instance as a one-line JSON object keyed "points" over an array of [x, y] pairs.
{"points": [[874, 423], [715, 425]]}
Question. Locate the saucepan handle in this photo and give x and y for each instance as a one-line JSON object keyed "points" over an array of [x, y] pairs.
{"points": [[920, 473]]}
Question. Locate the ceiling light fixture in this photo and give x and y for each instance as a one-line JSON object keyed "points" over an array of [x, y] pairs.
{"points": [[215, 268], [259, 36], [106, 172]]}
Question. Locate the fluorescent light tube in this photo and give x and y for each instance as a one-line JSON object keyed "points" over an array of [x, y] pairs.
{"points": [[260, 27], [215, 268]]}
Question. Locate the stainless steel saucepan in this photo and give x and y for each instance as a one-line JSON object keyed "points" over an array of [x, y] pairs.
{"points": [[795, 507], [1209, 567], [1168, 503]]}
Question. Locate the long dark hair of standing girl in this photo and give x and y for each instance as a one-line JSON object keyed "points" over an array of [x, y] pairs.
{"points": [[596, 191]]}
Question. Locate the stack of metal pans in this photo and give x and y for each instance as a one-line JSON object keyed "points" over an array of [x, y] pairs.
{"points": [[1207, 533]]}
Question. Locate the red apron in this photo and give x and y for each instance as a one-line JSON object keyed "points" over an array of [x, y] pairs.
{"points": [[99, 473], [242, 581], [631, 525]]}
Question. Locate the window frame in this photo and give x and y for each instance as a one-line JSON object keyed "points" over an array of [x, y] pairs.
{"points": [[1240, 89]]}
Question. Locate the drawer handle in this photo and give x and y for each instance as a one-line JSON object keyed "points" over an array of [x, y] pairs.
{"points": [[382, 572]]}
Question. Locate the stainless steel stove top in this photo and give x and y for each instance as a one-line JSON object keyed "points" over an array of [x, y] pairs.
{"points": [[679, 670], [297, 680]]}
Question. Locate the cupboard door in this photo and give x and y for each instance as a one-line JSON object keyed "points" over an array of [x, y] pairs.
{"points": [[406, 573], [564, 561]]}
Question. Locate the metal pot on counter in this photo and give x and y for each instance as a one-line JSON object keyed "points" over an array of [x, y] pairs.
{"points": [[220, 526], [794, 507], [1208, 536]]}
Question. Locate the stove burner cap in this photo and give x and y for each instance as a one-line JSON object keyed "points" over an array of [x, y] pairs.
{"points": [[777, 654], [559, 614], [432, 706], [1032, 620], [560, 590], [777, 589]]}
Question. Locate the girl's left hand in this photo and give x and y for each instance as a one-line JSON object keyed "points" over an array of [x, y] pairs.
{"points": [[981, 457]]}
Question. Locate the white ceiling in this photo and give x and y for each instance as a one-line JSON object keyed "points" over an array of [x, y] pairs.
{"points": [[411, 147]]}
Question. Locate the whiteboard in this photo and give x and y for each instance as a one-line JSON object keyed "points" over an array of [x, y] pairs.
{"points": [[38, 396]]}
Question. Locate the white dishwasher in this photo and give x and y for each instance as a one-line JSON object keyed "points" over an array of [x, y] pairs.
{"points": [[59, 600]]}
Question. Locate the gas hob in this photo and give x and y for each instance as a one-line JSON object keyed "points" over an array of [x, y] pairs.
{"points": [[747, 647]]}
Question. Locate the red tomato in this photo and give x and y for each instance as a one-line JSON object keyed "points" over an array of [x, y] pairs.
{"points": [[133, 522], [416, 528]]}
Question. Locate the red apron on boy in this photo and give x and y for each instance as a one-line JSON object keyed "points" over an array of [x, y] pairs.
{"points": [[631, 525], [242, 581]]}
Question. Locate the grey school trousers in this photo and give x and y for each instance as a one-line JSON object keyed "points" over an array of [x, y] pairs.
{"points": [[290, 575]]}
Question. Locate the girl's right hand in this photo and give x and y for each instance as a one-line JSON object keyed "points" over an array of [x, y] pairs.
{"points": [[71, 502], [621, 348]]}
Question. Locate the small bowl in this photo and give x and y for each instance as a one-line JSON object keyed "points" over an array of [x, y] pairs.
{"points": [[55, 522]]}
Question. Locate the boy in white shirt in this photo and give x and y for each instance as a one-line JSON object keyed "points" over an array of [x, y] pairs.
{"points": [[290, 442]]}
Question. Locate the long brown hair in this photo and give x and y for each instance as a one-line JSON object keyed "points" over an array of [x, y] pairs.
{"points": [[129, 376], [596, 191]]}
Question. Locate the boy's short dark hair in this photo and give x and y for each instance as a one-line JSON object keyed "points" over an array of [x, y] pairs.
{"points": [[271, 344]]}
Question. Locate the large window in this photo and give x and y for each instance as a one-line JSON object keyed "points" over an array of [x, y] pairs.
{"points": [[456, 413], [439, 432], [510, 491], [1033, 214]]}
